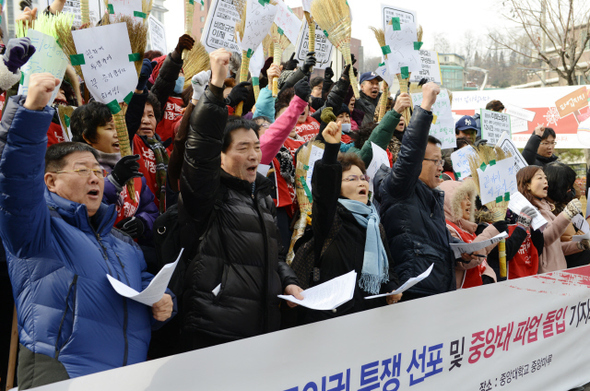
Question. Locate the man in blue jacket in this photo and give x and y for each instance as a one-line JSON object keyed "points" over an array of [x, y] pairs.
{"points": [[60, 246], [412, 207]]}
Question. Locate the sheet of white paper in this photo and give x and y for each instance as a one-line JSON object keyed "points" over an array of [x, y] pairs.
{"points": [[518, 201], [259, 19], [315, 155], [219, 30], [579, 238], [379, 157], [383, 71], [580, 223], [288, 22], [493, 124], [460, 159], [306, 5], [108, 73], [460, 248], [126, 7], [429, 68], [257, 61], [328, 295], [444, 126], [506, 144], [216, 290], [48, 58], [497, 180], [407, 285], [157, 35], [263, 169], [401, 45], [154, 291], [518, 112], [73, 7], [323, 47]]}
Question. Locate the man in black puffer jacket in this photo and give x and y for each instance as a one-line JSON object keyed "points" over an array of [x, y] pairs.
{"points": [[232, 282], [412, 207]]}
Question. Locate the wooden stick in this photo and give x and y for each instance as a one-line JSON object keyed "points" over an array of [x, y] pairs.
{"points": [[278, 54], [243, 77], [124, 143], [502, 258], [13, 353], [383, 101], [189, 7], [85, 11]]}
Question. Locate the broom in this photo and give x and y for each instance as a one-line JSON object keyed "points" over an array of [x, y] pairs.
{"points": [[380, 36], [281, 42], [85, 12], [404, 83], [333, 16], [196, 61], [486, 154], [311, 28], [240, 27], [268, 46], [189, 10]]}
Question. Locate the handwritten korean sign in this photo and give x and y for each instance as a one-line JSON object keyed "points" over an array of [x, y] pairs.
{"points": [[429, 68], [460, 159], [572, 102], [259, 19], [497, 180], [157, 35], [288, 22], [443, 127]]}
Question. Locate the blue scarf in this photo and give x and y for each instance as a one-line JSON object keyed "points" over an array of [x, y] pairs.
{"points": [[375, 270]]}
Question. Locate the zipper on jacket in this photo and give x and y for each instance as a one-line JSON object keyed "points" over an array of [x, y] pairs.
{"points": [[72, 285]]}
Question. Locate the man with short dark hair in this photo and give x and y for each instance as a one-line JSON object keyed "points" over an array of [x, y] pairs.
{"points": [[412, 207], [369, 95], [60, 247], [235, 273], [539, 149]]}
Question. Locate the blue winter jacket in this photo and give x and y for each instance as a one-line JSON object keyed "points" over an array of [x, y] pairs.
{"points": [[58, 262]]}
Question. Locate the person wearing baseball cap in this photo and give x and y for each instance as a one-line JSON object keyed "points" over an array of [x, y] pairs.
{"points": [[466, 128], [369, 95]]}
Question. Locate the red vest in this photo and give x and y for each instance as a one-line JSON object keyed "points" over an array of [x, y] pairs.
{"points": [[172, 114], [472, 276], [526, 261], [129, 206], [309, 129], [55, 134], [147, 164]]}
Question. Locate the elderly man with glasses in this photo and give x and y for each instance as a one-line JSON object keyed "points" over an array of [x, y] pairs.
{"points": [[412, 207], [60, 246]]}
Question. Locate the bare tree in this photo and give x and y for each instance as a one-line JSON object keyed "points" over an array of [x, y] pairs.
{"points": [[441, 44], [558, 31], [471, 44]]}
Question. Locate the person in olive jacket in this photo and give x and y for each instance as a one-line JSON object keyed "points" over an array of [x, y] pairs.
{"points": [[232, 283]]}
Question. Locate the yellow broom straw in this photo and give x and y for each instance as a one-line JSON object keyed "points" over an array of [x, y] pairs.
{"points": [[189, 7], [243, 77], [125, 146]]}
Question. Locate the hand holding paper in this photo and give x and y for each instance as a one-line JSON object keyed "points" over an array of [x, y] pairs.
{"points": [[408, 284], [327, 296]]}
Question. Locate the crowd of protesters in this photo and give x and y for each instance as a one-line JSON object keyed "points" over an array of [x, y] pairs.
{"points": [[73, 212]]}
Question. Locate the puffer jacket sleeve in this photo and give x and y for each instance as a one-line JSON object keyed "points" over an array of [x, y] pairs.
{"points": [[381, 135], [25, 222], [147, 210], [335, 98], [274, 137], [403, 177], [265, 105], [166, 80], [200, 175], [529, 153]]}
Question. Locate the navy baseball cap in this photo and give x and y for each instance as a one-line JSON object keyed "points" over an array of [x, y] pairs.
{"points": [[466, 122], [369, 76]]}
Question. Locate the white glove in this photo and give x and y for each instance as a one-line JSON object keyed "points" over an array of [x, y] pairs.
{"points": [[530, 211], [573, 208], [199, 82]]}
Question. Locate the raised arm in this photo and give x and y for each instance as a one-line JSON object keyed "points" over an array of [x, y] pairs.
{"points": [[24, 225], [529, 153]]}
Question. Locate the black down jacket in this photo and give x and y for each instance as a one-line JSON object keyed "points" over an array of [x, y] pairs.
{"points": [[413, 216], [239, 240]]}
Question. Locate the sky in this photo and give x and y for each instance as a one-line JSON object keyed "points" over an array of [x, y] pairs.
{"points": [[453, 19]]}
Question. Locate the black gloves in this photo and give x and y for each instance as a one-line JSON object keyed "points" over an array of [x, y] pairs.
{"points": [[184, 42], [292, 63], [132, 226], [125, 169], [346, 73], [329, 72], [309, 63], [17, 53], [238, 94], [303, 89], [146, 71]]}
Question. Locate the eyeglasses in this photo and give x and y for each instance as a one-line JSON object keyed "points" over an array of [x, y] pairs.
{"points": [[546, 143], [438, 162], [85, 172], [354, 178]]}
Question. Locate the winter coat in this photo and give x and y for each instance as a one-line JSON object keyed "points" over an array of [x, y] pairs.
{"points": [[455, 192], [239, 240], [529, 153], [367, 106], [413, 215], [59, 260], [346, 250], [554, 251]]}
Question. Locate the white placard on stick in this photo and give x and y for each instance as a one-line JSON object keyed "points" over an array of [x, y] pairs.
{"points": [[259, 19], [219, 31], [383, 72], [131, 8], [460, 159], [256, 62], [493, 124], [157, 35], [506, 144], [400, 48], [323, 47], [48, 58], [73, 7], [104, 55], [497, 180], [288, 22], [443, 127], [429, 68], [405, 16]]}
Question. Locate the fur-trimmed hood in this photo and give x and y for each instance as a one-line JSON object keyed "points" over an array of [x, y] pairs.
{"points": [[455, 192]]}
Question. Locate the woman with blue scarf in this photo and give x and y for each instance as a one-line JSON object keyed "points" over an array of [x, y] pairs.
{"points": [[346, 229]]}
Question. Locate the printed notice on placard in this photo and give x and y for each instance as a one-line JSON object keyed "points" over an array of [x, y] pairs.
{"points": [[219, 31]]}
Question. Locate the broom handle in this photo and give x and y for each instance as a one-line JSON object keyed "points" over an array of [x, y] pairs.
{"points": [[311, 28], [13, 352], [124, 145], [278, 54], [85, 11], [502, 258], [383, 101], [243, 77], [188, 22], [403, 87]]}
